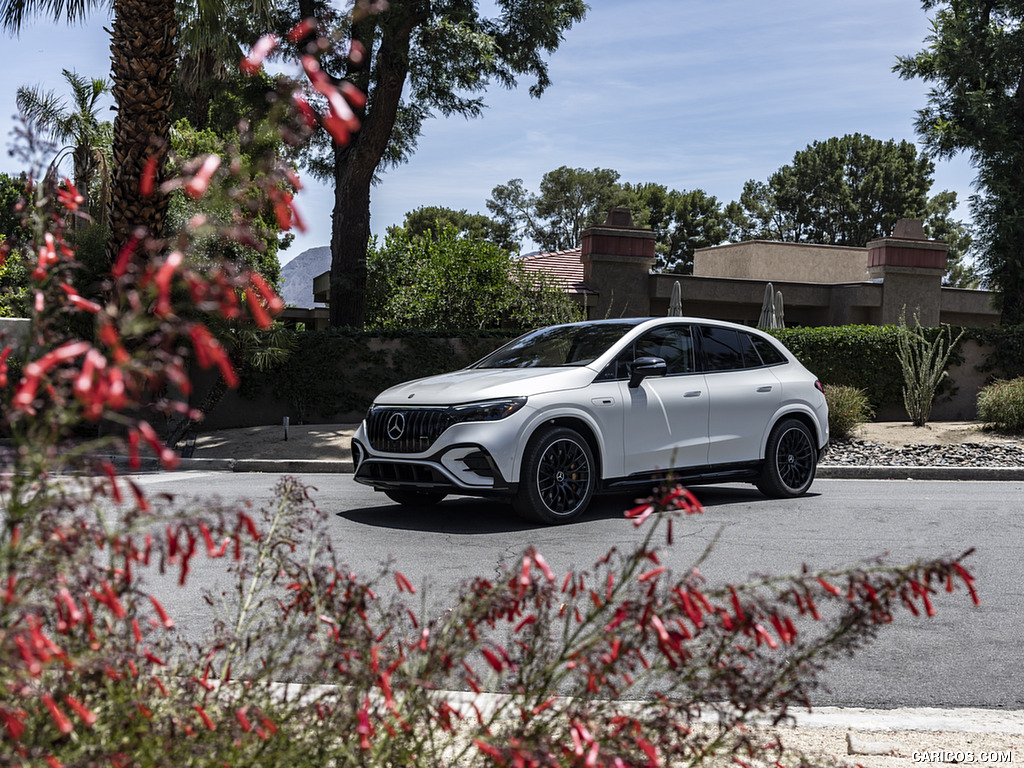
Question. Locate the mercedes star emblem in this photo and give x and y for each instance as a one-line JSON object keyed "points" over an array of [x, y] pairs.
{"points": [[396, 425]]}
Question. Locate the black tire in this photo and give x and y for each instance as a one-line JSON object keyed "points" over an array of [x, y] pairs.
{"points": [[410, 498], [790, 461], [558, 476]]}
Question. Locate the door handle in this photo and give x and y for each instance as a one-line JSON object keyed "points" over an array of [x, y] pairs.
{"points": [[766, 388], [694, 393]]}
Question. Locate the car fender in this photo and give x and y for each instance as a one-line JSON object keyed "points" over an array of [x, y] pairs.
{"points": [[544, 415], [788, 410]]}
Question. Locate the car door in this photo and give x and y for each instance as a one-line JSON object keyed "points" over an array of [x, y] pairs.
{"points": [[665, 422], [744, 394]]}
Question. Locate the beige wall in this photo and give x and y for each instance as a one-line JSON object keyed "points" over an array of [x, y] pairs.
{"points": [[786, 262]]}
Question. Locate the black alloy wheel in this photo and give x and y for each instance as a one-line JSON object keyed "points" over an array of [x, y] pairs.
{"points": [[790, 461], [557, 481]]}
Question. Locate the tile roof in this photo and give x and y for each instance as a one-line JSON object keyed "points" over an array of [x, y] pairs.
{"points": [[564, 267]]}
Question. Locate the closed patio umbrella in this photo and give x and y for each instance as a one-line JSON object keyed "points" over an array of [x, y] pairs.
{"points": [[767, 318], [780, 315], [675, 306]]}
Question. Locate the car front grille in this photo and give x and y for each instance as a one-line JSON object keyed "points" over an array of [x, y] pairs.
{"points": [[406, 430]]}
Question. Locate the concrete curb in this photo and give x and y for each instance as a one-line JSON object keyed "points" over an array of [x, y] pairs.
{"points": [[837, 472]]}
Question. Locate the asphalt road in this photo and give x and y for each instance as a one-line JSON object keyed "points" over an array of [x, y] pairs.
{"points": [[965, 656]]}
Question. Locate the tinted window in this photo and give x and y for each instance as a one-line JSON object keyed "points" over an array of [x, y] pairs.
{"points": [[558, 345], [769, 353], [750, 357], [673, 344], [722, 350]]}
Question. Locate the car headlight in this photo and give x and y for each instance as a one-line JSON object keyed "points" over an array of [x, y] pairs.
{"points": [[488, 410]]}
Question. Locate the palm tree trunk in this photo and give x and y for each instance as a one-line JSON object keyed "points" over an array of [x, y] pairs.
{"points": [[142, 65]]}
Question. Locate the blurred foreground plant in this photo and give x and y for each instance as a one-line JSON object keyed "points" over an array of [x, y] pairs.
{"points": [[304, 663]]}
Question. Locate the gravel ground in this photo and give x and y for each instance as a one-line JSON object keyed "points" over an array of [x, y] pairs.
{"points": [[854, 452]]}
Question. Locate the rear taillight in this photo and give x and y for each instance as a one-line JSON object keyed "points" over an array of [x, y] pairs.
{"points": [[819, 386]]}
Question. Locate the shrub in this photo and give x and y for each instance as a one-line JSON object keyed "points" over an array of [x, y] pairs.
{"points": [[848, 408], [1001, 405]]}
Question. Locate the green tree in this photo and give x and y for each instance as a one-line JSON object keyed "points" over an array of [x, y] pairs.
{"points": [[569, 201], [974, 62], [432, 220], [422, 58], [455, 282], [78, 126], [143, 39], [940, 225], [843, 191], [683, 221]]}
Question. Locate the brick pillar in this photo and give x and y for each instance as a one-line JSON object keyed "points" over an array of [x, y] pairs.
{"points": [[617, 259], [911, 268]]}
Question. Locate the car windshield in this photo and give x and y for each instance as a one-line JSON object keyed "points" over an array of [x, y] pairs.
{"points": [[557, 346]]}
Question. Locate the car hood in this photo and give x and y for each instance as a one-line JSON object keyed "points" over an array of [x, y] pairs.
{"points": [[471, 384]]}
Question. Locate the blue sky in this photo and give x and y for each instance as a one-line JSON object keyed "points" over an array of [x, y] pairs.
{"points": [[686, 93]]}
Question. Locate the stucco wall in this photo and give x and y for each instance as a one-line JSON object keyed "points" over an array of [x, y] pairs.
{"points": [[787, 262]]}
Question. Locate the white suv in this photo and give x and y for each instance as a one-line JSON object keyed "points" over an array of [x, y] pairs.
{"points": [[571, 410]]}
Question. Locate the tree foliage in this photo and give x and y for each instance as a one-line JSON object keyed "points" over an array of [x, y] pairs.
{"points": [[431, 220], [86, 138], [421, 59], [572, 199], [453, 282], [974, 62], [850, 190], [569, 201]]}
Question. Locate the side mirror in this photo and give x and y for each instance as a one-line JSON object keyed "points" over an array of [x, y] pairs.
{"points": [[646, 366]]}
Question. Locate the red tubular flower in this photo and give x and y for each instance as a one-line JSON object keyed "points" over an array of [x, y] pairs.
{"points": [[3, 366], [492, 658], [251, 64], [273, 301], [403, 583], [204, 717], [163, 278], [259, 314], [64, 725], [68, 196], [302, 30], [147, 182], [830, 588], [364, 728], [13, 722], [544, 567], [307, 112], [651, 574], [126, 252], [166, 620], [84, 714], [196, 186]]}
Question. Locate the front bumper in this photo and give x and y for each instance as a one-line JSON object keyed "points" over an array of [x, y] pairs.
{"points": [[453, 467]]}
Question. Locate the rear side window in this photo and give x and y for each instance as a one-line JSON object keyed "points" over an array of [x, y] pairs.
{"points": [[722, 349], [770, 355]]}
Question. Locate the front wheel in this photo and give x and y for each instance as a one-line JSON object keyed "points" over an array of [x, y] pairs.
{"points": [[558, 477], [790, 461], [410, 498]]}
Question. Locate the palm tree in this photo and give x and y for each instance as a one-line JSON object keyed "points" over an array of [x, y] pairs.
{"points": [[79, 128], [143, 54]]}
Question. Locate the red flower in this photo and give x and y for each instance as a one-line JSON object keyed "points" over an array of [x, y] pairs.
{"points": [[64, 725], [196, 186], [251, 64]]}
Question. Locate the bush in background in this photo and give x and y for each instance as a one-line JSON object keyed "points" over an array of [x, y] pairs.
{"points": [[848, 408], [1001, 405]]}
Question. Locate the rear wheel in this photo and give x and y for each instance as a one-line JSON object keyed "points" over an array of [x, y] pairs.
{"points": [[790, 461], [558, 477], [410, 498]]}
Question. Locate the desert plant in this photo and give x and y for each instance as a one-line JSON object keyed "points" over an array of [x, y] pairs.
{"points": [[924, 367], [848, 408], [1001, 405]]}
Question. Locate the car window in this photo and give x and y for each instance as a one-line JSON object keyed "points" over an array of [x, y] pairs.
{"points": [[673, 344], [770, 355], [559, 345], [751, 359], [722, 350]]}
